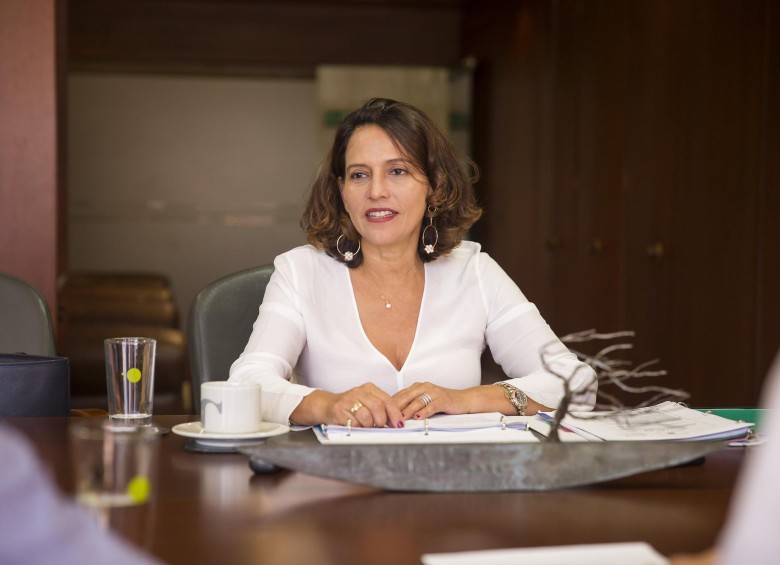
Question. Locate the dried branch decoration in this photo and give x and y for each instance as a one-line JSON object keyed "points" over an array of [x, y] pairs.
{"points": [[608, 371]]}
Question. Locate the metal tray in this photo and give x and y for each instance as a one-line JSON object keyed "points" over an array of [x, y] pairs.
{"points": [[475, 467]]}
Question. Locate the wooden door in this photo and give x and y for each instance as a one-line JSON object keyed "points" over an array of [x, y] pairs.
{"points": [[692, 162], [643, 163]]}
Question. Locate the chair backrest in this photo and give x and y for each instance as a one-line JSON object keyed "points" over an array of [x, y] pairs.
{"points": [[25, 321], [117, 297], [220, 323]]}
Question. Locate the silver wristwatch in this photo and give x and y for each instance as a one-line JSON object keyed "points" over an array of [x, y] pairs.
{"points": [[516, 396]]}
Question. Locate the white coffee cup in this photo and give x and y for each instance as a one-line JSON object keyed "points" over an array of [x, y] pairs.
{"points": [[228, 407]]}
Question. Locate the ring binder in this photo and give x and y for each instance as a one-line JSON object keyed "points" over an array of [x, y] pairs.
{"points": [[490, 427]]}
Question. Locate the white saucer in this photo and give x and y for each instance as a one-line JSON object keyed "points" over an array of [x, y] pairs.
{"points": [[195, 430]]}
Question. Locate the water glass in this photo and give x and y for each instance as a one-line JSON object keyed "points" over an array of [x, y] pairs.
{"points": [[130, 379]]}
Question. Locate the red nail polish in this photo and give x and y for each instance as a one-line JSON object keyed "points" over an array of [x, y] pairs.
{"points": [[401, 424], [416, 416]]}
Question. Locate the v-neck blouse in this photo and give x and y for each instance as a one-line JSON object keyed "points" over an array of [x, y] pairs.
{"points": [[309, 327], [363, 331]]}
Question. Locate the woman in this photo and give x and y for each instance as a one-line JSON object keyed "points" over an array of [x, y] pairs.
{"points": [[384, 317]]}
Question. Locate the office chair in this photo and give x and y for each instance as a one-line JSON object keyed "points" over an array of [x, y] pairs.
{"points": [[25, 323], [32, 381], [220, 323]]}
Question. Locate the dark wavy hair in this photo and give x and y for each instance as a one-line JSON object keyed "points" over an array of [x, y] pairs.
{"points": [[424, 145]]}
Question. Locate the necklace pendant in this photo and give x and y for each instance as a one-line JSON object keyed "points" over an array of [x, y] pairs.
{"points": [[388, 305]]}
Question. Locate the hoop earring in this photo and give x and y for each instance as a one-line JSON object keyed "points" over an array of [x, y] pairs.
{"points": [[349, 255], [430, 248]]}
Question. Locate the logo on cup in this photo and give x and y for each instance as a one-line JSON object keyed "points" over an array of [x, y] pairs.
{"points": [[228, 407]]}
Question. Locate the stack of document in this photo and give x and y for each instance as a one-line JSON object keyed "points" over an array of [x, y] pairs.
{"points": [[491, 427], [668, 421]]}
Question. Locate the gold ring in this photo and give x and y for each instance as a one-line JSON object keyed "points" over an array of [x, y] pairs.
{"points": [[355, 407]]}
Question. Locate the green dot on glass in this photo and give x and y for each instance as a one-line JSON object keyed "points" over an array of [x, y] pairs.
{"points": [[138, 489], [133, 375]]}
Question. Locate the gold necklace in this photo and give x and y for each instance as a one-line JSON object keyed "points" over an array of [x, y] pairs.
{"points": [[376, 288], [379, 292]]}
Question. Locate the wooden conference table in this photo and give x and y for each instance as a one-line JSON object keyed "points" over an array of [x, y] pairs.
{"points": [[211, 508]]}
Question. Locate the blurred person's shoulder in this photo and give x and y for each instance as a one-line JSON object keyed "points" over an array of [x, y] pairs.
{"points": [[17, 453]]}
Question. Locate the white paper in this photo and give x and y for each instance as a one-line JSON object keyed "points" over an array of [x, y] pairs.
{"points": [[635, 553], [668, 421]]}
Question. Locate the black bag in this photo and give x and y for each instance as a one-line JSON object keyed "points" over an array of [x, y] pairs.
{"points": [[33, 385]]}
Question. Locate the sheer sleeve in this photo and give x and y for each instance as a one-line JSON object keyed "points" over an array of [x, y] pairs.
{"points": [[516, 334], [277, 339]]}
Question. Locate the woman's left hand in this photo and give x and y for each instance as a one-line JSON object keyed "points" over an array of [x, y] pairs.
{"points": [[422, 400]]}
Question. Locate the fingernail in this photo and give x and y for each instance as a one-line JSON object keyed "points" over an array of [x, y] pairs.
{"points": [[416, 416], [400, 424]]}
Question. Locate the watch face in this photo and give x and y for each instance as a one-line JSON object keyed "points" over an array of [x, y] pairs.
{"points": [[515, 396]]}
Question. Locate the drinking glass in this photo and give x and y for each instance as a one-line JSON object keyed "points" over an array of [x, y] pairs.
{"points": [[130, 379]]}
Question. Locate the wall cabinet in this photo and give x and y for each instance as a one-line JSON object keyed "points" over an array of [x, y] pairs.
{"points": [[631, 181]]}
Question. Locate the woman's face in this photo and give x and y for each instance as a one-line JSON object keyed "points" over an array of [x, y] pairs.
{"points": [[383, 193]]}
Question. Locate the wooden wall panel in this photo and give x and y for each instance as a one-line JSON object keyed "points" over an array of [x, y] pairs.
{"points": [[237, 35], [693, 147], [30, 172], [512, 138], [645, 126], [589, 103]]}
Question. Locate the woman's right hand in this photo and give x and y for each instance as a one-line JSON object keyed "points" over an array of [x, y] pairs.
{"points": [[367, 406]]}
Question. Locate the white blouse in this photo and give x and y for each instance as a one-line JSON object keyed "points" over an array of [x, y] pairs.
{"points": [[309, 326]]}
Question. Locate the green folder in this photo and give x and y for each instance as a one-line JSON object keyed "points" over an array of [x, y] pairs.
{"points": [[752, 415]]}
